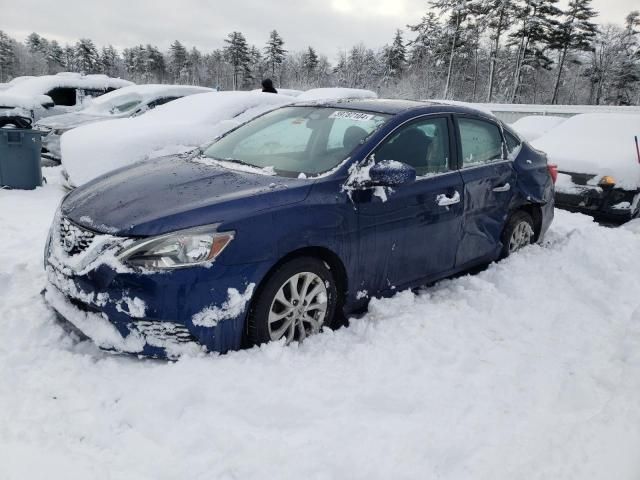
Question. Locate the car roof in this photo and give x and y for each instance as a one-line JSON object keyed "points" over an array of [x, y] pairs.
{"points": [[396, 106]]}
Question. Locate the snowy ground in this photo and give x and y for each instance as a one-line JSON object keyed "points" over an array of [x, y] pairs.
{"points": [[530, 369]]}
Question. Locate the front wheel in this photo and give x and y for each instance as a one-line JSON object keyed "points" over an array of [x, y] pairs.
{"points": [[518, 233], [296, 301]]}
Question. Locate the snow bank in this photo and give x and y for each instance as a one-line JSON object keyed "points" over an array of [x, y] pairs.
{"points": [[596, 143], [534, 126], [91, 150], [320, 94], [528, 370]]}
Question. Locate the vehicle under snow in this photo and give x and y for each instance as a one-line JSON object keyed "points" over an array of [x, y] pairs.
{"points": [[48, 95], [535, 126], [598, 163], [131, 101], [92, 150], [14, 81]]}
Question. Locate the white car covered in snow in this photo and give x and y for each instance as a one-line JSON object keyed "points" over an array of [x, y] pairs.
{"points": [[180, 126], [48, 95], [598, 160], [535, 126], [125, 102]]}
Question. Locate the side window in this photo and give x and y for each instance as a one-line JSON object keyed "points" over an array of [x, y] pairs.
{"points": [[160, 101], [481, 142], [63, 96], [512, 141], [345, 134], [423, 144]]}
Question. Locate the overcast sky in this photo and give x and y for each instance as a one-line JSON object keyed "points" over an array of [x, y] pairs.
{"points": [[327, 25]]}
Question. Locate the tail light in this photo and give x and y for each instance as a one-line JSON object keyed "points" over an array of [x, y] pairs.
{"points": [[553, 171]]}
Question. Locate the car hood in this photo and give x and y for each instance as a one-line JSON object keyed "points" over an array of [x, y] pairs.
{"points": [[69, 120], [172, 193]]}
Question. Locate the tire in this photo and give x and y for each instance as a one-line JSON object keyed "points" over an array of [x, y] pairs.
{"points": [[518, 233], [281, 308]]}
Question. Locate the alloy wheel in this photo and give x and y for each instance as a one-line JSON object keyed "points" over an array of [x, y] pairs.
{"points": [[299, 308], [520, 236]]}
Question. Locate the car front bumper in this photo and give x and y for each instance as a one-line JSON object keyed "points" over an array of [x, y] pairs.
{"points": [[158, 314]]}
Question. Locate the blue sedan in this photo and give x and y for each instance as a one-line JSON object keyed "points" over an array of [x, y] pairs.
{"points": [[290, 222]]}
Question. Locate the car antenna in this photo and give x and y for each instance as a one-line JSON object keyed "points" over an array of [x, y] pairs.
{"points": [[637, 149]]}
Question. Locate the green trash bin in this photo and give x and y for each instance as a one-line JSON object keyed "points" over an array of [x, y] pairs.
{"points": [[20, 158]]}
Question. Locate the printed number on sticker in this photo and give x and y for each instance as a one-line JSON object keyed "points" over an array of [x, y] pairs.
{"points": [[357, 116]]}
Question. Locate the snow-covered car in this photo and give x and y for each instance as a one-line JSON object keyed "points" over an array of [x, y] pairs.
{"points": [[14, 81], [598, 164], [48, 95], [92, 150], [535, 126], [130, 101]]}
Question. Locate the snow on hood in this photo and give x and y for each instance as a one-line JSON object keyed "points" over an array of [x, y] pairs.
{"points": [[67, 120], [596, 143], [92, 150], [31, 92], [534, 126], [335, 94]]}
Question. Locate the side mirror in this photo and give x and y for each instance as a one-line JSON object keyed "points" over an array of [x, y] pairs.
{"points": [[389, 173], [48, 105]]}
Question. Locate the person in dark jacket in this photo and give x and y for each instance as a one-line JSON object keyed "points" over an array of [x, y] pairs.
{"points": [[267, 86]]}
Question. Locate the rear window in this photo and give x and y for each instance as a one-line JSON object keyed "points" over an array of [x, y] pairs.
{"points": [[481, 142]]}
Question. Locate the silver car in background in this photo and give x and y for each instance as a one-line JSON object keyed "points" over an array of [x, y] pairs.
{"points": [[125, 102]]}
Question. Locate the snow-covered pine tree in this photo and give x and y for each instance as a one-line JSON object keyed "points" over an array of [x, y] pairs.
{"points": [[8, 57], [237, 54], [574, 32], [177, 60], [535, 19], [274, 53], [87, 56]]}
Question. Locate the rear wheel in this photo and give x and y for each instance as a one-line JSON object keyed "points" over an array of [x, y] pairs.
{"points": [[296, 301], [519, 232]]}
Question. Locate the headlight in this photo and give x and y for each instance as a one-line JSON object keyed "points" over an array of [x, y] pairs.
{"points": [[183, 248]]}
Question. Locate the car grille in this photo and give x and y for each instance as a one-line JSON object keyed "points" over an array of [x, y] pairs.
{"points": [[74, 239], [164, 331]]}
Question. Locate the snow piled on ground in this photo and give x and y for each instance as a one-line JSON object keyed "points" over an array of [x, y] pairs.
{"points": [[529, 369], [596, 143]]}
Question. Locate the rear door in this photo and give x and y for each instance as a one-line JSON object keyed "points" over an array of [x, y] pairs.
{"points": [[489, 185], [409, 233]]}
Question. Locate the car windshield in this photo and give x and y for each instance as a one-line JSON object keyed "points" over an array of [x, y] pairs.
{"points": [[115, 105], [297, 140]]}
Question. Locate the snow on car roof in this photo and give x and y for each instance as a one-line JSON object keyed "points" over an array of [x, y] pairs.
{"points": [[534, 126], [32, 91], [596, 143], [334, 94], [151, 91]]}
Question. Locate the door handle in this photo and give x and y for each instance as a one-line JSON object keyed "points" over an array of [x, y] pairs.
{"points": [[443, 201], [503, 188]]}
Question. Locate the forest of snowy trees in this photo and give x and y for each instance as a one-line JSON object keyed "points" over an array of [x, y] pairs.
{"points": [[515, 51]]}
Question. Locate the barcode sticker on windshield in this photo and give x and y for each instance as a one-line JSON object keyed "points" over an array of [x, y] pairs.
{"points": [[357, 116]]}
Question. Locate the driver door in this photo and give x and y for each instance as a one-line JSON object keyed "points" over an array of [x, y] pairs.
{"points": [[410, 232]]}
